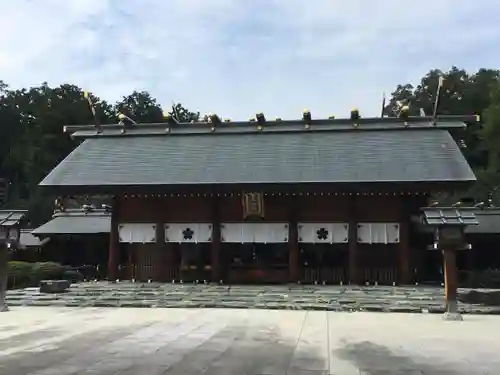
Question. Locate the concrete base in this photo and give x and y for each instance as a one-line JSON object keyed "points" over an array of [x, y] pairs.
{"points": [[4, 308], [453, 317]]}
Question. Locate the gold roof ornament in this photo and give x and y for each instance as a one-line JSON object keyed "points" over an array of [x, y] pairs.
{"points": [[307, 118], [404, 114], [261, 118], [355, 116]]}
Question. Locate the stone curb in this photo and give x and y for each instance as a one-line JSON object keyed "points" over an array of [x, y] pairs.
{"points": [[260, 306]]}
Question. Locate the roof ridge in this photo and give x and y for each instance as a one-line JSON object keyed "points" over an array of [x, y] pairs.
{"points": [[263, 126]]}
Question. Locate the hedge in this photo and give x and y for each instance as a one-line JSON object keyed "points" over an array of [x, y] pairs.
{"points": [[27, 274]]}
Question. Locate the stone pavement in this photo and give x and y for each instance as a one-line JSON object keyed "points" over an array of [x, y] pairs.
{"points": [[112, 341], [294, 297]]}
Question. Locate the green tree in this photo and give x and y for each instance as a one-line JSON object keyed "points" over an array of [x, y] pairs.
{"points": [[141, 107], [490, 133], [32, 142], [182, 114], [489, 177], [32, 121], [462, 93]]}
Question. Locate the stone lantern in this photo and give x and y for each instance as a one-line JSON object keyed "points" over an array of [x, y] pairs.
{"points": [[449, 234], [10, 229]]}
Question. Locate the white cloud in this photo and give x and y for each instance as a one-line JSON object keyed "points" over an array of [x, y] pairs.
{"points": [[238, 57]]}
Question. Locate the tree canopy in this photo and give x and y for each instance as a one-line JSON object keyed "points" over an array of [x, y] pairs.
{"points": [[32, 141], [463, 93]]}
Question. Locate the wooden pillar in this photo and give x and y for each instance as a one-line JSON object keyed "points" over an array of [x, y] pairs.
{"points": [[215, 250], [293, 250], [4, 265], [404, 244], [450, 280], [160, 271], [354, 276], [131, 263], [293, 240], [114, 242]]}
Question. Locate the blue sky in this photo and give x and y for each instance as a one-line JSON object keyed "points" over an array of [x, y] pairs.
{"points": [[239, 57]]}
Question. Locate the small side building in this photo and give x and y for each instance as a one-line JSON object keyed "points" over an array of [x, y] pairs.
{"points": [[78, 237]]}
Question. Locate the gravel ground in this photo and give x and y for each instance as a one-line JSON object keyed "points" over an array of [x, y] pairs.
{"points": [[106, 341]]}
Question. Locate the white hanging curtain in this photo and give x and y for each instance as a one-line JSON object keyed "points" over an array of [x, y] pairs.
{"points": [[137, 233], [384, 233], [188, 232], [254, 232], [323, 232]]}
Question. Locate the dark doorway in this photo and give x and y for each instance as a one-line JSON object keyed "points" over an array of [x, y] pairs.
{"points": [[254, 263], [323, 263], [194, 261]]}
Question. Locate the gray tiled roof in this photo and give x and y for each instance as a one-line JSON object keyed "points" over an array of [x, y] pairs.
{"points": [[11, 217], [76, 222], [489, 222], [423, 155], [449, 216], [27, 240]]}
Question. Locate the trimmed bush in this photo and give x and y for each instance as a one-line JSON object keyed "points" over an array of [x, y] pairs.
{"points": [[20, 274], [73, 276], [27, 274]]}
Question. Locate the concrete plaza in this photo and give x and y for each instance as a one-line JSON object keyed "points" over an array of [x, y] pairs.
{"points": [[107, 341]]}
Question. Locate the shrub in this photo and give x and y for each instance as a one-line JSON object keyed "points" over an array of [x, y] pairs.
{"points": [[20, 274], [48, 270], [26, 274], [72, 275]]}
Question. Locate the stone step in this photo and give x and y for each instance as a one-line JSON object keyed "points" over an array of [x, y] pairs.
{"points": [[334, 298]]}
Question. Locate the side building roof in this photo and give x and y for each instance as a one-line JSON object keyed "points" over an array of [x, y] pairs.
{"points": [[489, 222], [478, 220], [75, 222], [150, 155], [9, 218]]}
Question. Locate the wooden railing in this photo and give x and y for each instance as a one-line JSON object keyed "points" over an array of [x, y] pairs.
{"points": [[327, 275], [383, 276]]}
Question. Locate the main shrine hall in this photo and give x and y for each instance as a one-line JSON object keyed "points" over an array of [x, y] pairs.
{"points": [[266, 201]]}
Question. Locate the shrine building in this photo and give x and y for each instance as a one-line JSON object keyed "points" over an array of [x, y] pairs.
{"points": [[265, 201]]}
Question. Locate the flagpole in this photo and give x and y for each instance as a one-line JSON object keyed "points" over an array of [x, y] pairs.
{"points": [[438, 95], [97, 124], [382, 111]]}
